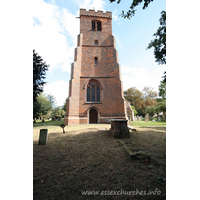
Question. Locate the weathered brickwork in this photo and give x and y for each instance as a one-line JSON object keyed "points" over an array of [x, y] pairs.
{"points": [[96, 45]]}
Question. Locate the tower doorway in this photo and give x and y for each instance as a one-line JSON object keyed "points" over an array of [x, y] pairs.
{"points": [[93, 116]]}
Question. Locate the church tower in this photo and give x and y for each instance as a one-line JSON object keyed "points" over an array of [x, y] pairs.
{"points": [[95, 87]]}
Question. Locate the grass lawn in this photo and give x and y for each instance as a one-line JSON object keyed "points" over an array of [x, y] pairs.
{"points": [[146, 124], [88, 158], [48, 122]]}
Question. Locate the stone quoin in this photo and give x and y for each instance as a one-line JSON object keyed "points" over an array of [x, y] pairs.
{"points": [[95, 87]]}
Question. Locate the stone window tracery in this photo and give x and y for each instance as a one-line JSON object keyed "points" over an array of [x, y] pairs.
{"points": [[93, 91]]}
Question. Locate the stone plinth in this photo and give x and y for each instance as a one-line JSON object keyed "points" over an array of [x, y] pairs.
{"points": [[119, 128], [43, 136]]}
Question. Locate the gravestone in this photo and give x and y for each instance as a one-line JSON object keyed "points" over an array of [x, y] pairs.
{"points": [[43, 136], [147, 117], [119, 128], [159, 118], [140, 118], [137, 118]]}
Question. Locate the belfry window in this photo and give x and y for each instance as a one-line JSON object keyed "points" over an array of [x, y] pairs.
{"points": [[96, 25], [93, 26], [93, 91]]}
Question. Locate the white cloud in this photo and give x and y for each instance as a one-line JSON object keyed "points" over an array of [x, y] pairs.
{"points": [[54, 34], [93, 4], [139, 77], [59, 89], [114, 16]]}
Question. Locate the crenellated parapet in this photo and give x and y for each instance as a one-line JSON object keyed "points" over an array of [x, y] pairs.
{"points": [[92, 13]]}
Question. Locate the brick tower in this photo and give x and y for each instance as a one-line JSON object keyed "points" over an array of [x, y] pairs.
{"points": [[95, 87]]}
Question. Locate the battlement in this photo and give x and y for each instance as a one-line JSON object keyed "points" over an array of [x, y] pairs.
{"points": [[92, 13]]}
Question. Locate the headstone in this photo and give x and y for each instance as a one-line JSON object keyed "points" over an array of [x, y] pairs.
{"points": [[140, 118], [159, 118], [147, 117], [43, 136], [119, 128], [135, 118]]}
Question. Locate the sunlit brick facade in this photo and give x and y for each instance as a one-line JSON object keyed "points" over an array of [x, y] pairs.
{"points": [[95, 87]]}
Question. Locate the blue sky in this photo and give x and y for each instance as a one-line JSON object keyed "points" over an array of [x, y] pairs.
{"points": [[55, 30]]}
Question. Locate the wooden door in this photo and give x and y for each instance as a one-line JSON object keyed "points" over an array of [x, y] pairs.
{"points": [[93, 116]]}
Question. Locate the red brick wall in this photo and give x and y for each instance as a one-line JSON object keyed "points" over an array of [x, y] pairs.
{"points": [[107, 71]]}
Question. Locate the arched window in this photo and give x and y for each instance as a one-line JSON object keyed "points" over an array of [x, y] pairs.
{"points": [[93, 91]]}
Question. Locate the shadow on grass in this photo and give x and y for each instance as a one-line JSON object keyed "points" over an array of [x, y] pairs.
{"points": [[88, 160]]}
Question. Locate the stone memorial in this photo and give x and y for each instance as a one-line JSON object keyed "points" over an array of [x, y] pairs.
{"points": [[119, 128], [147, 117], [159, 118], [43, 136], [140, 118]]}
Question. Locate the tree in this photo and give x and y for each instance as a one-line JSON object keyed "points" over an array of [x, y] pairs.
{"points": [[36, 110], [39, 72], [149, 96], [159, 43], [151, 110], [164, 78], [162, 90], [131, 12], [136, 98], [65, 104], [141, 100], [41, 106], [161, 102], [162, 87], [52, 100], [57, 112], [135, 111]]}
